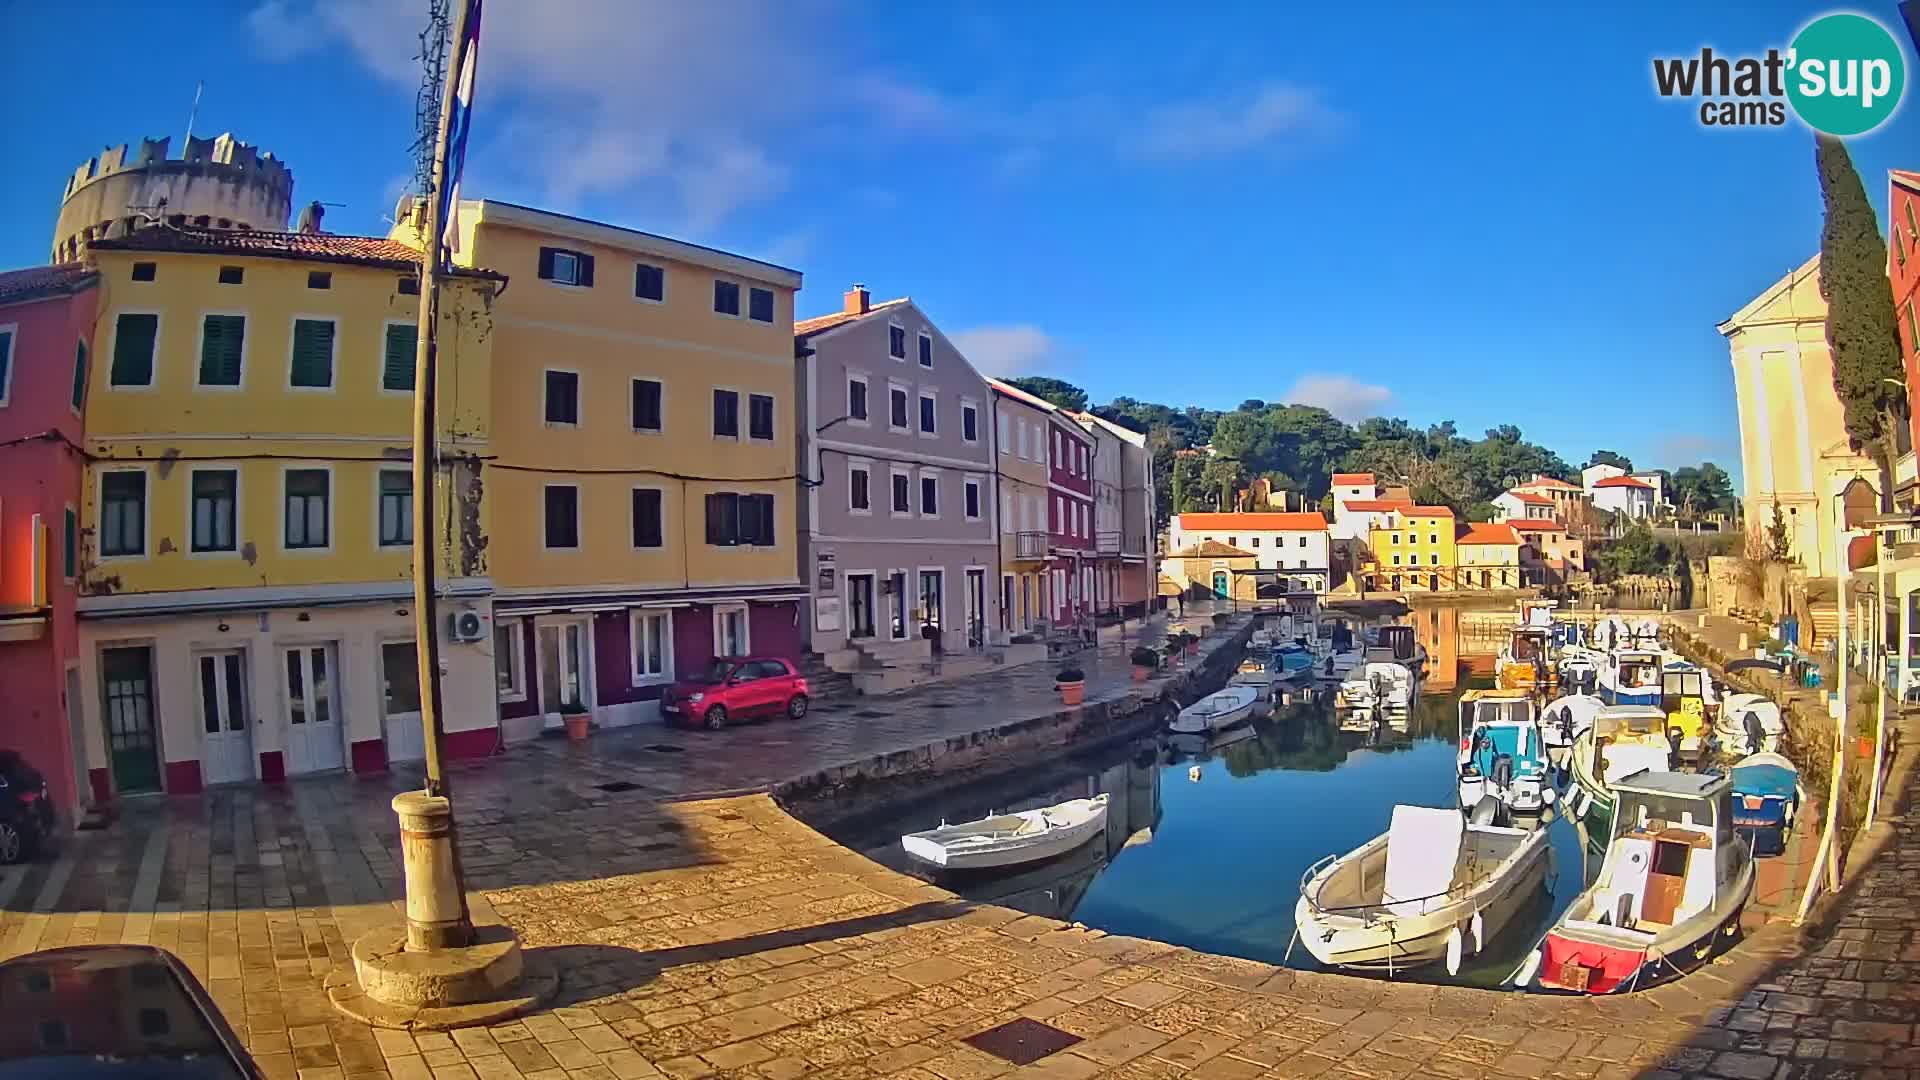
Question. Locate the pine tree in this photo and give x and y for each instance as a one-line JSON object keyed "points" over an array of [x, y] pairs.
{"points": [[1861, 332]]}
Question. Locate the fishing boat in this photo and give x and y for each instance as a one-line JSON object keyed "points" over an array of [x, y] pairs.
{"points": [[1688, 699], [1525, 662], [1263, 675], [1580, 668], [1671, 888], [1622, 741], [1631, 677], [1502, 755], [1010, 839], [1748, 724], [1563, 721], [1260, 640], [1381, 685], [1433, 887], [1766, 791], [1223, 708]]}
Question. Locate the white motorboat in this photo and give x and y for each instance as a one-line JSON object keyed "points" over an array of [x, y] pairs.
{"points": [[1748, 724], [1502, 754], [1433, 887], [1380, 685], [1010, 839], [1263, 675], [1624, 740], [1221, 709], [1563, 721]]}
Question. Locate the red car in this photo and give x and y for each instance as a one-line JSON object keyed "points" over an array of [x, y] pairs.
{"points": [[737, 688]]}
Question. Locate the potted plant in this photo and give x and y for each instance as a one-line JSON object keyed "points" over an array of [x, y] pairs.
{"points": [[1144, 661], [577, 719], [1072, 684], [1865, 720], [1220, 618]]}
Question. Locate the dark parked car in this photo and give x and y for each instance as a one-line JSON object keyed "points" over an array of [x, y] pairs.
{"points": [[26, 813], [737, 688]]}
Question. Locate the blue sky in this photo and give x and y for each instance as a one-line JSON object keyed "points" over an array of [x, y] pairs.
{"points": [[1489, 219]]}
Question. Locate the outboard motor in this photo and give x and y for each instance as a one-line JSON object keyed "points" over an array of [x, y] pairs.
{"points": [[1501, 775], [1491, 811], [1756, 733]]}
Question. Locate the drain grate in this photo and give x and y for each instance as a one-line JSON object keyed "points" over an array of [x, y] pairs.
{"points": [[618, 786], [663, 748], [1022, 1041]]}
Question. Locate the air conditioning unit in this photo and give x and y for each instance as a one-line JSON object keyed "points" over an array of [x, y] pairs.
{"points": [[466, 626]]}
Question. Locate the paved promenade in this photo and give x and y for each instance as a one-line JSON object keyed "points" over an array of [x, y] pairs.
{"points": [[721, 937]]}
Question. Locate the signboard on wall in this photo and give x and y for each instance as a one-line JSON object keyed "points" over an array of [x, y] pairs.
{"points": [[823, 572], [826, 613]]}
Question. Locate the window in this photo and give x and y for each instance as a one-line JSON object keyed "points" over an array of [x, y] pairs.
{"points": [[1434, 559], [897, 342], [897, 408], [1254, 542], [564, 267], [760, 416], [1303, 541], [927, 425], [902, 494], [1433, 538], [930, 496], [1233, 541], [143, 271], [646, 404], [726, 298], [123, 513], [1002, 438], [1395, 538], [973, 500], [309, 497], [563, 397], [312, 353], [79, 374], [1006, 512], [730, 630], [69, 544], [760, 305], [648, 506], [651, 632], [859, 493], [409, 286], [401, 349], [856, 398], [6, 363], [396, 508], [510, 659], [726, 414], [215, 492], [1059, 456], [222, 342], [970, 423], [562, 517], [319, 279], [1023, 438], [649, 282], [232, 275], [926, 349], [1396, 559], [1303, 564], [740, 520]]}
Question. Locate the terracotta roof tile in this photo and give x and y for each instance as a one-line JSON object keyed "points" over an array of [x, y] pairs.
{"points": [[1353, 478], [1211, 549], [1537, 524], [1428, 511], [1488, 532], [377, 251], [1376, 506], [1530, 498], [820, 324], [34, 282], [1622, 482], [1257, 522], [1548, 482]]}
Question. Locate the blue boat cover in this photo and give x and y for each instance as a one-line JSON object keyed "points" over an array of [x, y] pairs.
{"points": [[1765, 780]]}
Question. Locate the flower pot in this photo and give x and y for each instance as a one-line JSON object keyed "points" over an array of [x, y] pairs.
{"points": [[1864, 744], [578, 724], [1140, 674], [1072, 693]]}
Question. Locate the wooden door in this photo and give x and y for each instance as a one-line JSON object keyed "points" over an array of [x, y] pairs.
{"points": [[133, 744], [1666, 882]]}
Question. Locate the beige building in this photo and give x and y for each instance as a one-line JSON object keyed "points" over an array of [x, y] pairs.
{"points": [[1211, 568], [1794, 452]]}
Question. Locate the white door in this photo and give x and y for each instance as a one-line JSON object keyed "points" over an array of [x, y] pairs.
{"points": [[400, 702], [313, 714], [565, 666], [226, 739]]}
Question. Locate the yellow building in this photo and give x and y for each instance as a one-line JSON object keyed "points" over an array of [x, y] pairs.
{"points": [[1489, 556], [1413, 550], [645, 464], [1794, 452], [246, 509]]}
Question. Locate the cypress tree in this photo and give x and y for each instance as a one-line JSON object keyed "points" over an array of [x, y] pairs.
{"points": [[1861, 333]]}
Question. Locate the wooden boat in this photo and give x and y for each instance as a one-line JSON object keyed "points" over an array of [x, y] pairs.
{"points": [[1501, 753], [1525, 663], [1217, 710], [1631, 677], [1748, 724], [1433, 887], [1563, 721], [1010, 839], [1670, 890], [1624, 740]]}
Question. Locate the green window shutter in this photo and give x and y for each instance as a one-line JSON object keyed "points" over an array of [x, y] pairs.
{"points": [[221, 340], [403, 340], [69, 545], [133, 340], [312, 352], [80, 376]]}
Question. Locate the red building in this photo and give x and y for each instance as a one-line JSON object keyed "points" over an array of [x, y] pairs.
{"points": [[46, 316], [1903, 270], [1070, 516]]}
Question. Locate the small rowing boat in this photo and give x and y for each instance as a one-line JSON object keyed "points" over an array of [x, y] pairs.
{"points": [[1010, 839], [1223, 708]]}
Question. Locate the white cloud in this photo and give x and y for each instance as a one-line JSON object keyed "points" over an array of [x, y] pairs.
{"points": [[1267, 115], [1006, 351], [1343, 396]]}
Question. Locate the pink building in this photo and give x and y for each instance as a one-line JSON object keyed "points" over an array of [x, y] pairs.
{"points": [[1070, 516], [46, 317]]}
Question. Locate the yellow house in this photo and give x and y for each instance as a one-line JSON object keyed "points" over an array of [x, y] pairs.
{"points": [[1794, 452], [246, 510], [1021, 423], [645, 465], [1413, 550], [1489, 556]]}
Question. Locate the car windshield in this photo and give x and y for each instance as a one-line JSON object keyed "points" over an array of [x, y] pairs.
{"points": [[720, 670]]}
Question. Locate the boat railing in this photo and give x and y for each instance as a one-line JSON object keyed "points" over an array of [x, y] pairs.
{"points": [[1370, 914]]}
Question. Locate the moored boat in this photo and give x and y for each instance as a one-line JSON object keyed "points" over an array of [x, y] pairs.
{"points": [[1262, 674], [1223, 708], [1623, 740], [1687, 697], [1670, 890], [1433, 887], [1501, 754], [1562, 722], [1010, 839], [1748, 724], [1766, 791], [1379, 685], [1631, 677]]}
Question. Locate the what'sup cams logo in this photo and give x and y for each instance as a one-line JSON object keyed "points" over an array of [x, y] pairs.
{"points": [[1842, 75]]}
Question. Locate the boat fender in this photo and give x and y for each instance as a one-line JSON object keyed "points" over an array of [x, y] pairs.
{"points": [[1528, 969], [1787, 815], [1547, 795], [1479, 932], [1455, 949], [1581, 802], [1193, 774]]}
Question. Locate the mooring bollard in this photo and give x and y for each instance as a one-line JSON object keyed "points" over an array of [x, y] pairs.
{"points": [[1743, 642]]}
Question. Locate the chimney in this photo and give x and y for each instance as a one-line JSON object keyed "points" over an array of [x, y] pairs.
{"points": [[310, 217], [858, 300]]}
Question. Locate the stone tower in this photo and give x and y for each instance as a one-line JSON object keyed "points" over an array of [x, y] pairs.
{"points": [[218, 183]]}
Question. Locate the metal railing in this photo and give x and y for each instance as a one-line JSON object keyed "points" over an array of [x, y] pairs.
{"points": [[1108, 543], [1030, 545]]}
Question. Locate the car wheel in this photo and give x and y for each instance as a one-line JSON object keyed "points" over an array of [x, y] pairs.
{"points": [[797, 708], [716, 718], [12, 845]]}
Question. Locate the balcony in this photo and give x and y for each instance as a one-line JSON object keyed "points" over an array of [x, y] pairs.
{"points": [[1108, 543], [1030, 545]]}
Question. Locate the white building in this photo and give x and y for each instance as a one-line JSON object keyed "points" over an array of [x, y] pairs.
{"points": [[1593, 474], [1516, 504], [1292, 542], [1657, 482], [1623, 494]]}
